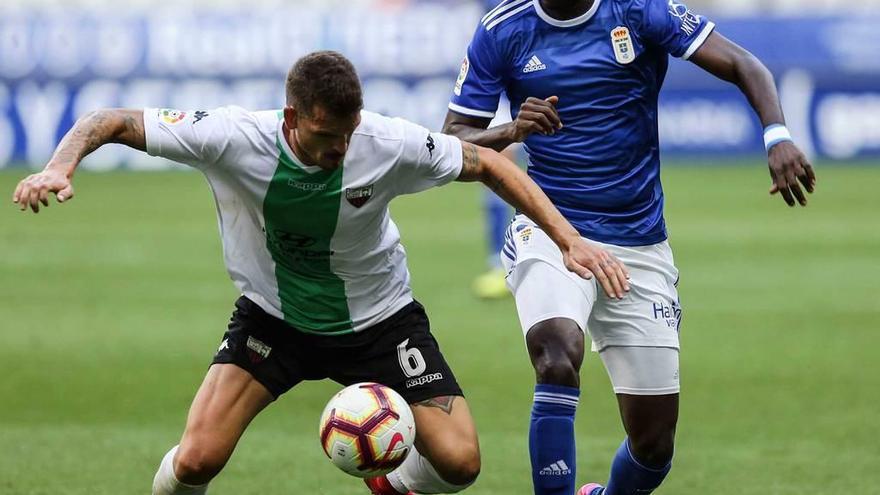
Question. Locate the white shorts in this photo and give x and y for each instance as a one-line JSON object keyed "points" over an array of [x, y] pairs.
{"points": [[648, 316]]}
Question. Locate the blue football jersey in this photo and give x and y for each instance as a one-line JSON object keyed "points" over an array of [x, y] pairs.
{"points": [[602, 170]]}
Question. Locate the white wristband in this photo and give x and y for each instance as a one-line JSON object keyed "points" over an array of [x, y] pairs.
{"points": [[775, 134]]}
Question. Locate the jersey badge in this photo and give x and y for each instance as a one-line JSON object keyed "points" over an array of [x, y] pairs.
{"points": [[533, 65], [171, 116], [358, 196], [462, 75], [257, 349], [624, 51]]}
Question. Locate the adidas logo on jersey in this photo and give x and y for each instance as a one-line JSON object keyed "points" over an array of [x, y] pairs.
{"points": [[534, 65], [558, 468]]}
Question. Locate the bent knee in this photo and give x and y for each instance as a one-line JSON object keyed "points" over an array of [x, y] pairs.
{"points": [[196, 465], [556, 372], [462, 468], [655, 449], [556, 348]]}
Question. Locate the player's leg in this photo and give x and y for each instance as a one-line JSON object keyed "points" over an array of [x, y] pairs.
{"points": [[447, 454], [255, 363], [228, 399], [646, 382], [556, 349], [553, 305], [401, 353], [638, 342]]}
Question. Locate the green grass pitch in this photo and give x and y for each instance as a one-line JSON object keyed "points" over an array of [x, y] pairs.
{"points": [[111, 307]]}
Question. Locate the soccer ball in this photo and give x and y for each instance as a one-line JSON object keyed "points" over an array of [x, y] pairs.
{"points": [[367, 430]]}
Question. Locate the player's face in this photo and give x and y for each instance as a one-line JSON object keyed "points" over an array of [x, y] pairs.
{"points": [[320, 138]]}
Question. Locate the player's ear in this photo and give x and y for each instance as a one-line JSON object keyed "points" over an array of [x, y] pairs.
{"points": [[290, 117]]}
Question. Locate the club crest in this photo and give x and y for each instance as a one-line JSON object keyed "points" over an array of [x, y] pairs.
{"points": [[624, 50], [358, 196]]}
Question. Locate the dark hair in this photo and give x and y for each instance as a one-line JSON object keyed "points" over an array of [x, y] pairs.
{"points": [[326, 79]]}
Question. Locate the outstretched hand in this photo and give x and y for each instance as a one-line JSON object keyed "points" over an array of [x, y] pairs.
{"points": [[790, 169], [589, 260], [35, 188]]}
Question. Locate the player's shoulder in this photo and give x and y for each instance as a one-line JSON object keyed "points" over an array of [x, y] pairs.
{"points": [[263, 121], [377, 127], [238, 118], [636, 11], [246, 129]]}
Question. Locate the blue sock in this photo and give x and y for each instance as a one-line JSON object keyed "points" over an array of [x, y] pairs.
{"points": [[630, 477], [551, 439]]}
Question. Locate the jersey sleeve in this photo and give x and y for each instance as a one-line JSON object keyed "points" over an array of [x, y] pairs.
{"points": [[671, 25], [427, 159], [480, 80], [193, 137]]}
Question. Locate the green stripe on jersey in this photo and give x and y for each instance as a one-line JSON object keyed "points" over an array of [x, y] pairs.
{"points": [[301, 210]]}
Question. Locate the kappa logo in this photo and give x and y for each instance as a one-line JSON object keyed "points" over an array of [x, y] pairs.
{"points": [[223, 345], [558, 468], [358, 196], [199, 115], [306, 186], [422, 380], [533, 65], [430, 145]]}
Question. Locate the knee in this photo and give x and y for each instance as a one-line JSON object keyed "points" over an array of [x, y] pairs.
{"points": [[654, 448], [461, 468], [195, 465], [557, 351]]}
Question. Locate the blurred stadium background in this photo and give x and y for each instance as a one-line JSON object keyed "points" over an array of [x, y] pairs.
{"points": [[111, 306]]}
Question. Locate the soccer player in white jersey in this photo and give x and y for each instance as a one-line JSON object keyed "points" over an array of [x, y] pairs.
{"points": [[302, 201], [583, 78]]}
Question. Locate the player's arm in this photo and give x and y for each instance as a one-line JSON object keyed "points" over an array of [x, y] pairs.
{"points": [[788, 165], [88, 134], [514, 186], [535, 116]]}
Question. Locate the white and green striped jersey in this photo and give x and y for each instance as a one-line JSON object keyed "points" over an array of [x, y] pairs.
{"points": [[314, 247]]}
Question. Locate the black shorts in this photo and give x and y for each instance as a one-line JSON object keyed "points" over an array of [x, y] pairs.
{"points": [[399, 352]]}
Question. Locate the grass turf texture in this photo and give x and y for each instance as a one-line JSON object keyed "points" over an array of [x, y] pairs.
{"points": [[112, 305]]}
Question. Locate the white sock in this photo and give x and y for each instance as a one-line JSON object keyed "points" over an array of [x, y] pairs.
{"points": [[166, 483], [418, 475]]}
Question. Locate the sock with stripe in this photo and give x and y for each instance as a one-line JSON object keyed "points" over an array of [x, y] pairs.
{"points": [[631, 477], [551, 439]]}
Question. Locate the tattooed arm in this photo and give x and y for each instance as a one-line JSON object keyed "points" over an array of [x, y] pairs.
{"points": [[88, 134], [516, 188]]}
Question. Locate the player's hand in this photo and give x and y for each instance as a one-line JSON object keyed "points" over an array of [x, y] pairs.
{"points": [[34, 189], [788, 167], [589, 260], [536, 115]]}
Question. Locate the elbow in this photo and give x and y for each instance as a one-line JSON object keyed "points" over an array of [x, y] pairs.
{"points": [[750, 69]]}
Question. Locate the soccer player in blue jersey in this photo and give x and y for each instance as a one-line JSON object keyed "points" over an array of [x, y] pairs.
{"points": [[583, 77]]}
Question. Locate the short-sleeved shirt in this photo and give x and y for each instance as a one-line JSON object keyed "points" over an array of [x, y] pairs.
{"points": [[602, 170], [314, 247]]}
